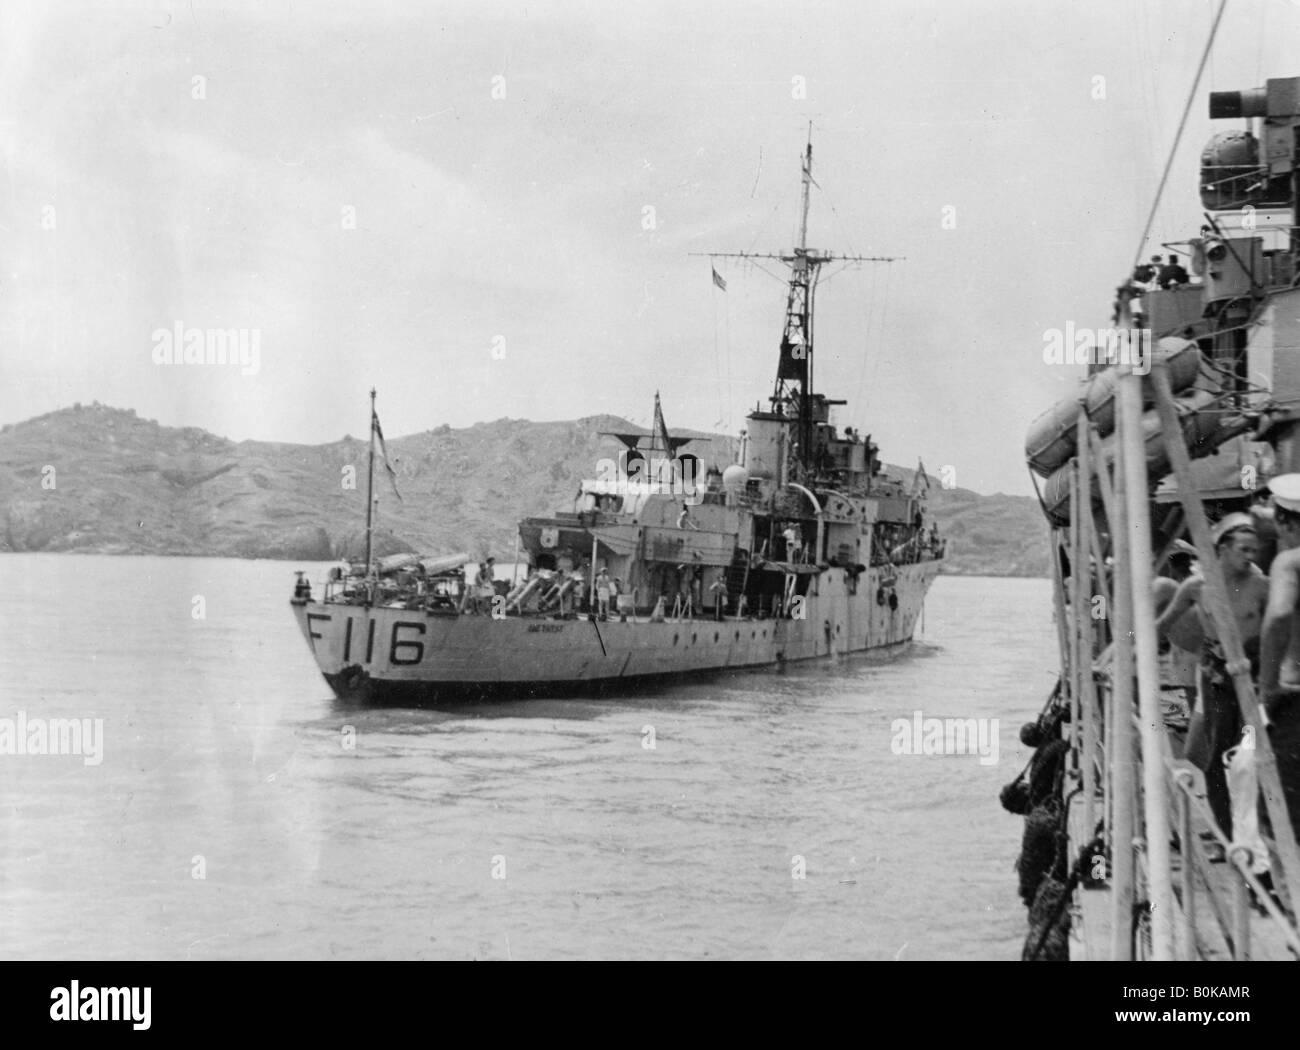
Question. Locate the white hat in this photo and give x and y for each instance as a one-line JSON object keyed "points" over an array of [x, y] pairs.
{"points": [[1230, 524], [1286, 491]]}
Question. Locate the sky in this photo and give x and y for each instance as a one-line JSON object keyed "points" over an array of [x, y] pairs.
{"points": [[490, 210]]}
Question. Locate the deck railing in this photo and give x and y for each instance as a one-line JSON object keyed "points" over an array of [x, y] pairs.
{"points": [[1121, 761]]}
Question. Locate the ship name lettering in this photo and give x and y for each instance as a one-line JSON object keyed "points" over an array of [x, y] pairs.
{"points": [[545, 628]]}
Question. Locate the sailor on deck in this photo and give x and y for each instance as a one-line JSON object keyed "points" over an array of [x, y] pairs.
{"points": [[1171, 275], [486, 585], [469, 585], [1279, 658], [603, 593], [793, 543], [1219, 725], [718, 589]]}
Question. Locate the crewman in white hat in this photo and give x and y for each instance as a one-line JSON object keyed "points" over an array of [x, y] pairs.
{"points": [[1286, 491], [1219, 727], [1279, 662], [1279, 656]]}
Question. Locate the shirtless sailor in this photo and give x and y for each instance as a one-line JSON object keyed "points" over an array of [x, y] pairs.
{"points": [[1219, 727], [1279, 659]]}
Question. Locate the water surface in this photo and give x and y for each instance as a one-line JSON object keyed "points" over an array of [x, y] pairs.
{"points": [[524, 830]]}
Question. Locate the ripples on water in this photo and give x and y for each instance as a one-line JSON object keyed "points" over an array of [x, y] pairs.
{"points": [[223, 748]]}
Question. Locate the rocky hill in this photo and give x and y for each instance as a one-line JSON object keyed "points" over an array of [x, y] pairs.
{"points": [[101, 480]]}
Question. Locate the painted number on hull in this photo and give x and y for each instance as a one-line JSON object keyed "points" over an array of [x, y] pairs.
{"points": [[312, 634], [414, 650], [401, 651], [370, 641]]}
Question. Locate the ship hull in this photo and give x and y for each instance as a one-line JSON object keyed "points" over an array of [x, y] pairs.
{"points": [[388, 655]]}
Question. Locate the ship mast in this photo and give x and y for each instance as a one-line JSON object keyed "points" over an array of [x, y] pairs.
{"points": [[370, 485], [807, 183], [795, 365], [794, 373]]}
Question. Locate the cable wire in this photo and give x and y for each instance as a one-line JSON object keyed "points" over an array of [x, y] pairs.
{"points": [[1187, 109]]}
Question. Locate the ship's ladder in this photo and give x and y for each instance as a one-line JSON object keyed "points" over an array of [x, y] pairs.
{"points": [[737, 577]]}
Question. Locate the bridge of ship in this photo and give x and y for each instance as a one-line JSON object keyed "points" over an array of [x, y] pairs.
{"points": [[735, 538]]}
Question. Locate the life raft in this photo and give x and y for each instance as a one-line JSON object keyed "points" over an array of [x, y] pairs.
{"points": [[1050, 442]]}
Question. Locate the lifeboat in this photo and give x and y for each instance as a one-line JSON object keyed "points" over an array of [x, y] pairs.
{"points": [[1199, 428], [1050, 441]]}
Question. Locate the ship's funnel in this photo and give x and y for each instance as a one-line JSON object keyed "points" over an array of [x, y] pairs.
{"points": [[765, 447]]}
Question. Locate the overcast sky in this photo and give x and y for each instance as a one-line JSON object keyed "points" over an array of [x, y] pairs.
{"points": [[345, 179]]}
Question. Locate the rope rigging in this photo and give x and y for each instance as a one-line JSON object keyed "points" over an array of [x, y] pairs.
{"points": [[1178, 135]]}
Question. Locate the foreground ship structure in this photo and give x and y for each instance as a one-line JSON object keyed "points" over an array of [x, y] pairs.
{"points": [[1146, 836], [804, 547]]}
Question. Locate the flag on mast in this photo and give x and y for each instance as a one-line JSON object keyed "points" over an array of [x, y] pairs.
{"points": [[383, 449], [717, 279], [661, 428]]}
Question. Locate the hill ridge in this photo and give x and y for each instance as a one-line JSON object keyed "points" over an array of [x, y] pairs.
{"points": [[100, 479]]}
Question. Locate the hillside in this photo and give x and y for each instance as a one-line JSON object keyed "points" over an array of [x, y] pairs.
{"points": [[101, 480]]}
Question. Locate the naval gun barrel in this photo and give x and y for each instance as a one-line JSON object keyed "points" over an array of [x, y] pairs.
{"points": [[1250, 103]]}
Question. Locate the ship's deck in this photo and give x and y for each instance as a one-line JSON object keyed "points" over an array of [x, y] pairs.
{"points": [[1219, 906]]}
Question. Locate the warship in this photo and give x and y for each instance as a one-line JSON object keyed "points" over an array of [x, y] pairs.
{"points": [[1161, 801], [804, 547]]}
